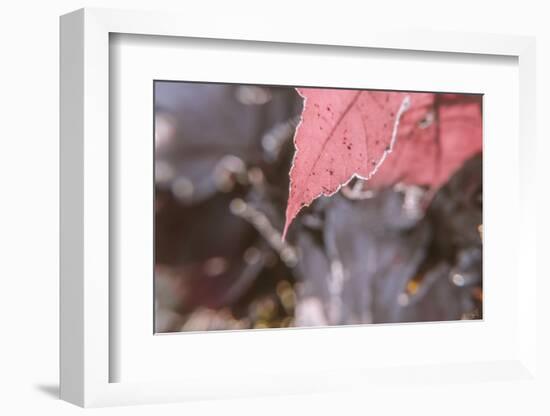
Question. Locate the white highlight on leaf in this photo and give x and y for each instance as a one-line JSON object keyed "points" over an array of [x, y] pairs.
{"points": [[405, 104]]}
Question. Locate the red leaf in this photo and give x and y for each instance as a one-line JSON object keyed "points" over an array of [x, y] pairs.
{"points": [[374, 135], [343, 133], [436, 136]]}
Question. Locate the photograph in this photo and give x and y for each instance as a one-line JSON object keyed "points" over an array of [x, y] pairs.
{"points": [[296, 207], [275, 208]]}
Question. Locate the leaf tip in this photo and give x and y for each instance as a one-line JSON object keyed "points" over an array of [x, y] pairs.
{"points": [[288, 221]]}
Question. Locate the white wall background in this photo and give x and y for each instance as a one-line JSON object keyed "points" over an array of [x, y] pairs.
{"points": [[29, 57]]}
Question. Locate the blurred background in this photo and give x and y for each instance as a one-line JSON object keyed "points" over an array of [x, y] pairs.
{"points": [[222, 157]]}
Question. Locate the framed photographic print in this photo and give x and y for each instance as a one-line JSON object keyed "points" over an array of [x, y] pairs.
{"points": [[279, 213]]}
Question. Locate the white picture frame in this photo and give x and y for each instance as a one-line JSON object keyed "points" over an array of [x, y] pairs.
{"points": [[87, 302]]}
